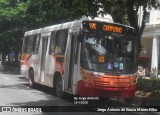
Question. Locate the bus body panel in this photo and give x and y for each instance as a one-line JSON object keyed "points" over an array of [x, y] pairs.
{"points": [[102, 85], [49, 70], [34, 63], [29, 61], [84, 89], [25, 64]]}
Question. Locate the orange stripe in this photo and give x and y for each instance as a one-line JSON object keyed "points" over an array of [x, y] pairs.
{"points": [[25, 58]]}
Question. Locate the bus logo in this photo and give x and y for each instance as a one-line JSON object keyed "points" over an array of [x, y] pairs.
{"points": [[6, 109], [121, 66], [116, 64], [109, 66]]}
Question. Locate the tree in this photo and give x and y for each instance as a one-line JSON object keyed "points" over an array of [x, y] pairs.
{"points": [[12, 26], [132, 7], [45, 12], [18, 16], [122, 11]]}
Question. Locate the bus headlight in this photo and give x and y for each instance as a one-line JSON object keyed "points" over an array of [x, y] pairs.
{"points": [[84, 78], [83, 75]]}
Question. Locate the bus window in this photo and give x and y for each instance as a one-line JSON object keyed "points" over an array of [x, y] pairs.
{"points": [[36, 44], [108, 53], [24, 48], [60, 42], [52, 43], [29, 43]]}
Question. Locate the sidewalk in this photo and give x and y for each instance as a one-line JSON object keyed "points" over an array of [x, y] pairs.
{"points": [[9, 69], [146, 99], [147, 94]]}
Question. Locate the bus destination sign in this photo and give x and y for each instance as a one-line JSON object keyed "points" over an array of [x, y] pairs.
{"points": [[103, 26], [112, 28]]}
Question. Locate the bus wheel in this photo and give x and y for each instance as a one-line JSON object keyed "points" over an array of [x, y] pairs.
{"points": [[58, 87], [31, 78]]}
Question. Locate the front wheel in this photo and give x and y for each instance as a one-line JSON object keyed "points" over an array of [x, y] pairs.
{"points": [[58, 88], [31, 79]]}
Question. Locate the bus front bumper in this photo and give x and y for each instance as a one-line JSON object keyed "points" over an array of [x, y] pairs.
{"points": [[84, 89]]}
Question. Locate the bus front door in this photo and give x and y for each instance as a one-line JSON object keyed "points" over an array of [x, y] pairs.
{"points": [[71, 66], [43, 58]]}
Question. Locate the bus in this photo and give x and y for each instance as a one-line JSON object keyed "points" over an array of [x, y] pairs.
{"points": [[82, 57]]}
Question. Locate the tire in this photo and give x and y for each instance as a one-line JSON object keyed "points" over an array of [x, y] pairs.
{"points": [[31, 79], [58, 88]]}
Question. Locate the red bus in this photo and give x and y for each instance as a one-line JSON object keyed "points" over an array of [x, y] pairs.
{"points": [[83, 57]]}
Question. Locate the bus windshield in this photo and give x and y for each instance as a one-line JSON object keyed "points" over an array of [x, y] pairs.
{"points": [[109, 52]]}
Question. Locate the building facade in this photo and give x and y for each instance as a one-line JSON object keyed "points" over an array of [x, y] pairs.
{"points": [[151, 38]]}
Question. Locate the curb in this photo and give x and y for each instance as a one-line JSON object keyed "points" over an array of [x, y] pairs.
{"points": [[146, 99]]}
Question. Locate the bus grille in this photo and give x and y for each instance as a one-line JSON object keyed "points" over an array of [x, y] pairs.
{"points": [[111, 93], [111, 82]]}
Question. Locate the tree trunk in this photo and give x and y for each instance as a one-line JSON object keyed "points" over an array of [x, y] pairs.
{"points": [[4, 54], [133, 20]]}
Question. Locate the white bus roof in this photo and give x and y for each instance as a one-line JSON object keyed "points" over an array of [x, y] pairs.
{"points": [[71, 24]]}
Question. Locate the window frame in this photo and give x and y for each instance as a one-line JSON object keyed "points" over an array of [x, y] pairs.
{"points": [[58, 42]]}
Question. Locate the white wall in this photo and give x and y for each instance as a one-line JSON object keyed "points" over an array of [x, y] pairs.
{"points": [[154, 17]]}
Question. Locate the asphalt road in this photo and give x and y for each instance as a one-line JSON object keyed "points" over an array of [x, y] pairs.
{"points": [[14, 92]]}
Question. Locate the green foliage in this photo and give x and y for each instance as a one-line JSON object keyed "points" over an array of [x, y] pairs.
{"points": [[44, 13], [152, 84], [12, 25], [122, 11]]}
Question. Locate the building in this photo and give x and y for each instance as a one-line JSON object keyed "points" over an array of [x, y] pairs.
{"points": [[151, 37]]}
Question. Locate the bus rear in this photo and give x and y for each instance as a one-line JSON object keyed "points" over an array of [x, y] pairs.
{"points": [[108, 60]]}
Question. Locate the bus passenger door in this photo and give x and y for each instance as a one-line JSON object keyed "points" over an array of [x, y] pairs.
{"points": [[71, 62], [43, 58]]}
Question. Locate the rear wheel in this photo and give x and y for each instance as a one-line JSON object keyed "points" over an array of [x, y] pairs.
{"points": [[58, 88], [31, 79]]}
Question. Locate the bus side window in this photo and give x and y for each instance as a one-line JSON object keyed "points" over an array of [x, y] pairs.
{"points": [[24, 48], [52, 43], [30, 40], [61, 41], [36, 44]]}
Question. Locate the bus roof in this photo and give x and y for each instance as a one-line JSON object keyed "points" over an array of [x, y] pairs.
{"points": [[71, 24]]}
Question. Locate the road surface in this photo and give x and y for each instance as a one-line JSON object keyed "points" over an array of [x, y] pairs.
{"points": [[15, 93]]}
